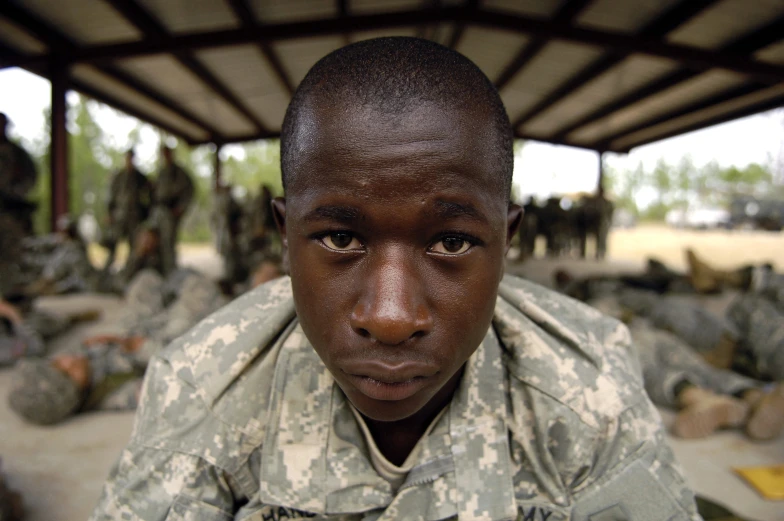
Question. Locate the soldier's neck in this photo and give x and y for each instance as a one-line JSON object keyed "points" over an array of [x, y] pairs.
{"points": [[397, 439]]}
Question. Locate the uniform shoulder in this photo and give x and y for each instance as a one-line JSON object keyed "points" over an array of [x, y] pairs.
{"points": [[207, 393], [220, 347], [567, 350]]}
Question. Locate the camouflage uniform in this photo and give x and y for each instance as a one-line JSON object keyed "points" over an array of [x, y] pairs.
{"points": [[130, 196], [261, 239], [227, 216], [69, 270], [761, 326], [116, 373], [594, 217], [17, 179], [173, 194], [240, 419], [29, 337], [667, 362], [682, 316]]}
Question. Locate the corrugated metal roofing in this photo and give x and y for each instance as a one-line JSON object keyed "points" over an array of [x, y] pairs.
{"points": [[602, 74]]}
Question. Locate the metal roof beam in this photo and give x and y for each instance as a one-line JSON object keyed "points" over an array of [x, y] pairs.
{"points": [[457, 34], [746, 44], [566, 13], [156, 32], [657, 28], [171, 104], [692, 57], [124, 107], [243, 12], [56, 40], [761, 106], [704, 103]]}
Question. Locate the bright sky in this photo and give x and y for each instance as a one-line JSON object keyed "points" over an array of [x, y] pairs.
{"points": [[541, 169]]}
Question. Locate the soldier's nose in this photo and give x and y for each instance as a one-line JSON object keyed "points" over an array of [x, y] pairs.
{"points": [[392, 307]]}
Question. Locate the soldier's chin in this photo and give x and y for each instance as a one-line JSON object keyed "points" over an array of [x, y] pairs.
{"points": [[386, 411]]}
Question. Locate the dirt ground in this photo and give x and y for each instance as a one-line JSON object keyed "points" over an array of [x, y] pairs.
{"points": [[60, 470]]}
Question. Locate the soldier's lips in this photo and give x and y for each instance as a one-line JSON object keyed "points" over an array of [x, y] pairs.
{"points": [[384, 382]]}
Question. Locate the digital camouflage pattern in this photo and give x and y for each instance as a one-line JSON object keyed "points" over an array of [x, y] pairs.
{"points": [[172, 195], [667, 361], [240, 419], [761, 326], [682, 316], [17, 172], [129, 200], [28, 338]]}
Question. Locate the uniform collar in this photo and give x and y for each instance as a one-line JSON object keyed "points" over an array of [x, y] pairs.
{"points": [[315, 458]]}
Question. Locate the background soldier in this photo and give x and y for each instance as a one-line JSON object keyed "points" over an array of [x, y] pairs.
{"points": [[227, 221], [173, 193], [17, 178], [528, 229], [593, 216], [130, 196]]}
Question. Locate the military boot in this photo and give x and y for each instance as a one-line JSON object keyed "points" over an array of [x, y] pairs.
{"points": [[702, 413], [706, 279], [766, 420]]}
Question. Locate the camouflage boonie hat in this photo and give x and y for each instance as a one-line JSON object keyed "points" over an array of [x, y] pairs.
{"points": [[42, 394]]}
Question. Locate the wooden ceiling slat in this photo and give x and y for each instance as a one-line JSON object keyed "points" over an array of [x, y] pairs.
{"points": [[155, 31], [701, 104], [691, 57], [566, 14], [66, 48], [619, 44], [660, 26], [768, 98], [244, 13], [747, 44]]}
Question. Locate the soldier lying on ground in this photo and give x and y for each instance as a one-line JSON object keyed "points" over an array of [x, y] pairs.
{"points": [[25, 330], [104, 373], [707, 398], [62, 264], [749, 339], [397, 374]]}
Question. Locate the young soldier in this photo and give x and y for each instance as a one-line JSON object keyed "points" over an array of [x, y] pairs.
{"points": [[395, 375]]}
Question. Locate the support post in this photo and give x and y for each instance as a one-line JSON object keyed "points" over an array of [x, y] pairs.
{"points": [[218, 174], [600, 181], [59, 142]]}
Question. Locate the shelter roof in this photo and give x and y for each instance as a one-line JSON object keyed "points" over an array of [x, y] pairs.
{"points": [[607, 75]]}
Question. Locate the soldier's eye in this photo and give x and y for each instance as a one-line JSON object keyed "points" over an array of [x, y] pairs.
{"points": [[451, 246], [341, 241]]}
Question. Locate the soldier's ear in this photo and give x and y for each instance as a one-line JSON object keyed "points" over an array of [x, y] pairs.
{"points": [[279, 213], [514, 216]]}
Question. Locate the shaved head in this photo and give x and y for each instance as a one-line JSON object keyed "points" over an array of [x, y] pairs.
{"points": [[391, 77]]}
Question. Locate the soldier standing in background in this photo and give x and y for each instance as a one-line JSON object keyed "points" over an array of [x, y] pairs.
{"points": [[173, 193], [130, 195], [17, 179], [594, 217]]}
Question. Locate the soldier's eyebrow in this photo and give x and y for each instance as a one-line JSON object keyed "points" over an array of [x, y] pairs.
{"points": [[337, 213], [446, 210]]}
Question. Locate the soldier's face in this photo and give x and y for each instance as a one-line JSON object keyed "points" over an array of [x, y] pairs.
{"points": [[396, 233]]}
